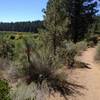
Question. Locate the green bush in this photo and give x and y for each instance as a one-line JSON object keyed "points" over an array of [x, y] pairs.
{"points": [[97, 56], [4, 90]]}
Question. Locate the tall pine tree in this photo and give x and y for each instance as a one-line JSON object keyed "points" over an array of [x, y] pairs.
{"points": [[70, 17], [81, 14], [56, 22]]}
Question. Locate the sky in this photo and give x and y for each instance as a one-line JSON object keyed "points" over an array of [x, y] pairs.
{"points": [[21, 10]]}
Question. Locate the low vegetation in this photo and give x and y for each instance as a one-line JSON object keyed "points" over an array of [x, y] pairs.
{"points": [[30, 58], [81, 46], [97, 56], [36, 64]]}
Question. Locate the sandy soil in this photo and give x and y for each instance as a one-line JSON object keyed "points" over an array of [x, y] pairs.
{"points": [[89, 78]]}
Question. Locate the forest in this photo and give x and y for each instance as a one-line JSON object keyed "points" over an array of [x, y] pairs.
{"points": [[57, 58], [33, 26], [22, 26]]}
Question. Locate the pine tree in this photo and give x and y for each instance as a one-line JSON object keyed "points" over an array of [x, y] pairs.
{"points": [[81, 14], [70, 17], [56, 22]]}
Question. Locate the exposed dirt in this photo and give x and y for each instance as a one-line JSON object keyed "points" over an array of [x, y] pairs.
{"points": [[89, 78]]}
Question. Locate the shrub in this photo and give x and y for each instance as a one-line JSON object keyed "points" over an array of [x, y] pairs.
{"points": [[67, 53], [97, 56], [29, 92], [6, 49], [70, 54], [92, 40], [91, 44], [4, 90], [40, 66], [23, 92], [81, 46]]}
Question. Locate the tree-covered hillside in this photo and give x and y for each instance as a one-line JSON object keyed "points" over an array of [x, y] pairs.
{"points": [[21, 26]]}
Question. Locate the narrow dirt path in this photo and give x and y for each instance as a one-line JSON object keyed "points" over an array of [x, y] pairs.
{"points": [[89, 78]]}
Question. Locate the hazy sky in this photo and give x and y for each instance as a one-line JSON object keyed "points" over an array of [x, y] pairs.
{"points": [[21, 10]]}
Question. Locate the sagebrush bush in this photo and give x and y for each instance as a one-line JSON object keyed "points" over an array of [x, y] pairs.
{"points": [[71, 52], [97, 56], [23, 92], [81, 46], [29, 92]]}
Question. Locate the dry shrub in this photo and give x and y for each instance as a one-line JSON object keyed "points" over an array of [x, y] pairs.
{"points": [[97, 56], [92, 40], [81, 46], [70, 54], [23, 92]]}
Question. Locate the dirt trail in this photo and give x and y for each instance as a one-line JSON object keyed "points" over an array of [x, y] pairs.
{"points": [[89, 78]]}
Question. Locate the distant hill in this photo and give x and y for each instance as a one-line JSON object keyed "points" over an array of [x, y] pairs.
{"points": [[21, 26]]}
